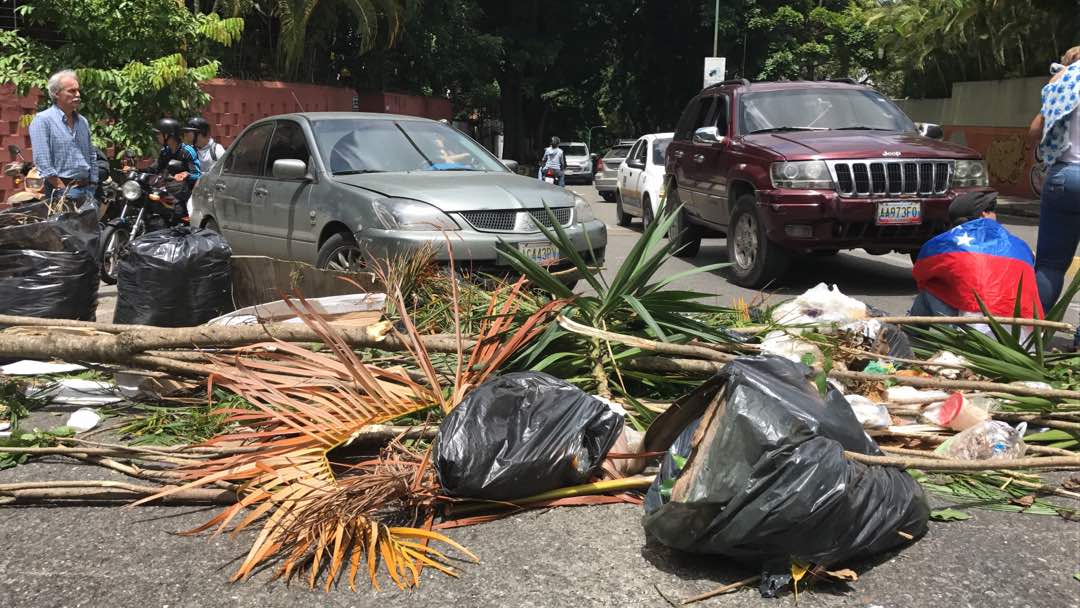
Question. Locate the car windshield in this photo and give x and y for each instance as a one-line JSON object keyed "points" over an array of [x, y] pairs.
{"points": [[659, 150], [819, 109], [617, 152], [574, 150], [359, 145]]}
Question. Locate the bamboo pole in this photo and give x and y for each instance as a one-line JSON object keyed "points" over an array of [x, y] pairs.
{"points": [[934, 464]]}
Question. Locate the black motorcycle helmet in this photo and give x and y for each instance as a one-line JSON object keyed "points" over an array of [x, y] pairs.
{"points": [[198, 124], [169, 126]]}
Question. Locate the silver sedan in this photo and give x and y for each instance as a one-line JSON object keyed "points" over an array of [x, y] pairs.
{"points": [[340, 189]]}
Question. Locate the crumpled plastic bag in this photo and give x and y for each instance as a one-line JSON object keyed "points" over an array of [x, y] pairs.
{"points": [[521, 434], [761, 477]]}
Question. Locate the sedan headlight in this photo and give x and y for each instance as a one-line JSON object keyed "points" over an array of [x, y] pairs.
{"points": [[583, 210], [802, 175], [131, 190], [969, 174], [406, 214]]}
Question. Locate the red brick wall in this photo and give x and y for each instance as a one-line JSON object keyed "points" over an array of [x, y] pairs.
{"points": [[1009, 156], [234, 105]]}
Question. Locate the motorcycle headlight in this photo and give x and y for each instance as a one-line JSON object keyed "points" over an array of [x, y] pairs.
{"points": [[969, 174], [802, 175], [35, 183], [583, 211], [131, 190], [406, 214]]}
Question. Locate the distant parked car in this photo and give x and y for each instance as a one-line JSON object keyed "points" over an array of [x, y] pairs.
{"points": [[607, 170], [641, 179], [578, 162], [339, 189]]}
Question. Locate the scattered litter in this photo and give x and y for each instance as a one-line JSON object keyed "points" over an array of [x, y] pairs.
{"points": [[29, 367], [785, 491], [958, 412], [871, 415], [909, 395], [83, 419], [151, 387], [880, 367], [77, 392], [988, 440], [359, 310], [521, 434], [790, 346], [821, 305], [946, 358]]}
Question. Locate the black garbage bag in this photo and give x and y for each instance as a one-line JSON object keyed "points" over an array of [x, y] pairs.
{"points": [[177, 277], [31, 226], [766, 481], [48, 284], [521, 434], [49, 262]]}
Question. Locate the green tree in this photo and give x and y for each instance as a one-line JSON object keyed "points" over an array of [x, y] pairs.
{"points": [[814, 39], [136, 60]]}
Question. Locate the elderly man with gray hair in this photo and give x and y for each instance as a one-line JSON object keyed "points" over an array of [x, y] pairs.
{"points": [[60, 138]]}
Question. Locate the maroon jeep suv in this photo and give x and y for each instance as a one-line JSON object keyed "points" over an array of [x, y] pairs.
{"points": [[789, 168]]}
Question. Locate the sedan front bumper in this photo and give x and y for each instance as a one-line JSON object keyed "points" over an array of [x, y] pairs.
{"points": [[482, 251]]}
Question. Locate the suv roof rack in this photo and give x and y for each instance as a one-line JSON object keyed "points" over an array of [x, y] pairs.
{"points": [[744, 82], [844, 80]]}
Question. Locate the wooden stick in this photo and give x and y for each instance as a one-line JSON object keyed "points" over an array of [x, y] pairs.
{"points": [[723, 589], [685, 350], [1065, 327], [932, 464], [107, 490]]}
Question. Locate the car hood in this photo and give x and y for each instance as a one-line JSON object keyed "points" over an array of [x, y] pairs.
{"points": [[464, 191], [857, 144]]}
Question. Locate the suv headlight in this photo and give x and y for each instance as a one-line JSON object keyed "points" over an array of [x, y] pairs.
{"points": [[406, 214], [969, 174], [801, 174], [583, 211]]}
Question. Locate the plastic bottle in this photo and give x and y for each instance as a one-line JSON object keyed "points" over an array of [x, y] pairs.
{"points": [[988, 440]]}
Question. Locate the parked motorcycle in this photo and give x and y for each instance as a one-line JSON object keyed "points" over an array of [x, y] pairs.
{"points": [[27, 176], [147, 206]]}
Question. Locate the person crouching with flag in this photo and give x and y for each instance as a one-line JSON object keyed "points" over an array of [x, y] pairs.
{"points": [[976, 259]]}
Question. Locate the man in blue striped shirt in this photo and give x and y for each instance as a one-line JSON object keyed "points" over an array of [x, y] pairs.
{"points": [[60, 138]]}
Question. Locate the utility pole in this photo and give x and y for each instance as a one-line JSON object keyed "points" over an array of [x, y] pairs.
{"points": [[716, 29]]}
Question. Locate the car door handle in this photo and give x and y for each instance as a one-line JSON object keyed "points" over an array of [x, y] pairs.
{"points": [[677, 154], [261, 192], [699, 158], [220, 186]]}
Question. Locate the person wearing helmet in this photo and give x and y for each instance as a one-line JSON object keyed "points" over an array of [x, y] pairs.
{"points": [[197, 134], [554, 159], [172, 148]]}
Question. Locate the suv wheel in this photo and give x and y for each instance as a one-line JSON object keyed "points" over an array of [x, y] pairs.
{"points": [[608, 196], [341, 252], [621, 216], [684, 236], [755, 260]]}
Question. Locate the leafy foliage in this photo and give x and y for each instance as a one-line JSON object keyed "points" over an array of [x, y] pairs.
{"points": [[136, 60], [32, 439]]}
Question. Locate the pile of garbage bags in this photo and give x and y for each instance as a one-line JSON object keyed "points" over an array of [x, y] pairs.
{"points": [[49, 261], [760, 476], [178, 277]]}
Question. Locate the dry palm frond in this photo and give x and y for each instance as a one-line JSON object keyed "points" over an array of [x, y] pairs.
{"points": [[308, 404]]}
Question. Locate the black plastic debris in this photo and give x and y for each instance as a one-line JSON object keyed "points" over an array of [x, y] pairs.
{"points": [[521, 434], [48, 262], [761, 476], [176, 277]]}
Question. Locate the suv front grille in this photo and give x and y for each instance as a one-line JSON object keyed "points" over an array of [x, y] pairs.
{"points": [[891, 178], [512, 220]]}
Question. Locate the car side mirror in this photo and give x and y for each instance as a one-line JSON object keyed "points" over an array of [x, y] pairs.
{"points": [[634, 164], [708, 136], [927, 129], [511, 165], [289, 168]]}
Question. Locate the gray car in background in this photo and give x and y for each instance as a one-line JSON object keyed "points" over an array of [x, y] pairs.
{"points": [[607, 175], [339, 189]]}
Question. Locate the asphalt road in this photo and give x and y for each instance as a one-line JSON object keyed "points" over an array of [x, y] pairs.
{"points": [[576, 557]]}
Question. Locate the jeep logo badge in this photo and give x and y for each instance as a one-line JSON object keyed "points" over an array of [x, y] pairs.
{"points": [[892, 154]]}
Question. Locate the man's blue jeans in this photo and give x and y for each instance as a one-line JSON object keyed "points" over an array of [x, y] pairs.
{"points": [[1059, 230], [927, 305]]}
